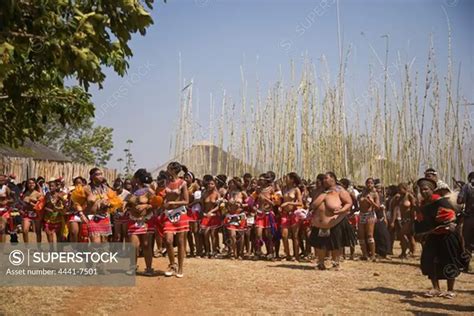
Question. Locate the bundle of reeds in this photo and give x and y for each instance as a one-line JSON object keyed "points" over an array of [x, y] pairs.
{"points": [[305, 126]]}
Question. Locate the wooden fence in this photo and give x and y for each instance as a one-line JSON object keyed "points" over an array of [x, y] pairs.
{"points": [[25, 168]]}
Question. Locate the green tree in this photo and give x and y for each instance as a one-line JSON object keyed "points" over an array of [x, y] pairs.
{"points": [[43, 42], [81, 142]]}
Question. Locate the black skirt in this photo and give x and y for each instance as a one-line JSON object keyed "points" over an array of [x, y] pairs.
{"points": [[382, 239], [443, 257], [334, 241], [349, 237]]}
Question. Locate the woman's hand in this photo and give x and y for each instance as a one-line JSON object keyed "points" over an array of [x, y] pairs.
{"points": [[337, 211]]}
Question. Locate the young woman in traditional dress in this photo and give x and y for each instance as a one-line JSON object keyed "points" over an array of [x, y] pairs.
{"points": [[32, 213], [466, 197], [211, 220], [54, 211], [393, 214], [121, 216], [221, 183], [265, 221], [277, 201], [235, 220], [369, 201], [381, 233], [141, 222], [330, 225], [101, 202], [353, 218], [5, 218], [75, 212], [407, 207], [304, 216], [174, 219], [250, 212], [290, 222], [159, 213], [442, 257], [194, 214]]}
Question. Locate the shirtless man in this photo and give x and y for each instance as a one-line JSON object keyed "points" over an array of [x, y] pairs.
{"points": [[329, 209]]}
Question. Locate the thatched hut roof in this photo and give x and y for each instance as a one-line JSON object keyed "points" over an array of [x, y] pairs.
{"points": [[33, 150]]}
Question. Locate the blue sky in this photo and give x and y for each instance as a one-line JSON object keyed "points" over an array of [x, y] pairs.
{"points": [[216, 37]]}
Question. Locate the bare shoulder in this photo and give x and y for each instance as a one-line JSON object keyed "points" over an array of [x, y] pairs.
{"points": [[344, 194], [87, 190]]}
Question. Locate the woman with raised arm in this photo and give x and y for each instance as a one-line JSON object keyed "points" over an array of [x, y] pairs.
{"points": [[369, 202], [141, 222], [175, 219]]}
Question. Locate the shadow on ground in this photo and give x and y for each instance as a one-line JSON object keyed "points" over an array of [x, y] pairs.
{"points": [[438, 305]]}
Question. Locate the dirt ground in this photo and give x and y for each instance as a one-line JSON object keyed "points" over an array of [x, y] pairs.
{"points": [[222, 286]]}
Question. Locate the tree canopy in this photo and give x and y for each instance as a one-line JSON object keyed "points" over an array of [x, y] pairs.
{"points": [[82, 142], [45, 42]]}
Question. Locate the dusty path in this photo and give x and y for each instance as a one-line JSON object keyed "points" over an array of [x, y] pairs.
{"points": [[252, 287]]}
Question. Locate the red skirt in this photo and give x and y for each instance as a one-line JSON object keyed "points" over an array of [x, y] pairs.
{"points": [[147, 226], [353, 220], [100, 226], [211, 222], [165, 225], [122, 218], [31, 215], [288, 220], [73, 218], [5, 214], [194, 213], [262, 219], [52, 227], [235, 222]]}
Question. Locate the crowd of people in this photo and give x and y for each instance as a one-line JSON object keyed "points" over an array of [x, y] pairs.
{"points": [[258, 218]]}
